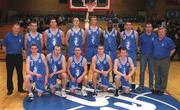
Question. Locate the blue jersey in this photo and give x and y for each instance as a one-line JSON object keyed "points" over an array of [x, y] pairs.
{"points": [[162, 48], [110, 40], [53, 40], [129, 42], [103, 64], [13, 44], [93, 37], [124, 68], [75, 39], [54, 64], [77, 69], [146, 43], [37, 65], [33, 40]]}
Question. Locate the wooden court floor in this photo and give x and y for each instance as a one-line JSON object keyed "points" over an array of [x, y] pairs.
{"points": [[15, 101]]}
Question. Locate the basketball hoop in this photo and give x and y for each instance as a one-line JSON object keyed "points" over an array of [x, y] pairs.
{"points": [[90, 6]]}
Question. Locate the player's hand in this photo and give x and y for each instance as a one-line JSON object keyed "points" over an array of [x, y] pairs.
{"points": [[105, 73], [38, 75], [73, 79], [51, 75], [46, 81], [79, 79], [126, 78]]}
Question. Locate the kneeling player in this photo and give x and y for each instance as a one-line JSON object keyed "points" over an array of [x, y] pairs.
{"points": [[101, 66], [124, 69], [37, 71], [57, 66], [77, 71]]}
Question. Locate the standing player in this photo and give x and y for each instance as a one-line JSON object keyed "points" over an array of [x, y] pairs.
{"points": [[33, 37], [57, 66], [37, 71], [129, 38], [53, 36], [12, 46], [77, 71], [102, 66], [75, 37], [124, 69], [163, 49], [145, 43], [111, 41], [92, 40]]}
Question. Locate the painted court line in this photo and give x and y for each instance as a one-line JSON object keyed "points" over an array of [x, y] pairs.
{"points": [[75, 108]]}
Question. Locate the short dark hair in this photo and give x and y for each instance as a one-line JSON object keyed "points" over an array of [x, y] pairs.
{"points": [[33, 44], [56, 46], [122, 48], [77, 47]]}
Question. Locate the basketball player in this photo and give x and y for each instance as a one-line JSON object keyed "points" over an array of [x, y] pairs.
{"points": [[93, 34], [163, 49], [33, 37], [146, 40], [77, 71], [37, 71], [129, 38], [53, 36], [111, 41], [124, 69], [102, 66], [57, 66], [75, 37]]}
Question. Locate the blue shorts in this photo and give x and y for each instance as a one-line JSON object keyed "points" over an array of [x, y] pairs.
{"points": [[132, 55], [124, 83], [39, 83], [90, 52], [52, 81], [104, 80]]}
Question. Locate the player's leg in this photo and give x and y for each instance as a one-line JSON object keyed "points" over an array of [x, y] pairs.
{"points": [[64, 82], [84, 85], [95, 79], [125, 84], [28, 79], [104, 82], [117, 84]]}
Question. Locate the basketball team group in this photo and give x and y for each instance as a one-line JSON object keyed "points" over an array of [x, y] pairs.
{"points": [[107, 53]]}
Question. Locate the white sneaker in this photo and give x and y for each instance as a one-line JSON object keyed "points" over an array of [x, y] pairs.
{"points": [[63, 93], [83, 91], [30, 97]]}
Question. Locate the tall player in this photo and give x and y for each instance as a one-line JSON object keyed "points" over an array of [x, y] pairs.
{"points": [[77, 71], [53, 36], [75, 37], [57, 66], [129, 38], [93, 34], [33, 37], [111, 41], [37, 71], [124, 69], [101, 65]]}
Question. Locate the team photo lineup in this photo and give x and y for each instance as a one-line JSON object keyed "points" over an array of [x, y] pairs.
{"points": [[106, 52]]}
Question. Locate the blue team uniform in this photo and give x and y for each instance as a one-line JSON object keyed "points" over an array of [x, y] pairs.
{"points": [[110, 44], [93, 40], [124, 69], [76, 70], [103, 66], [129, 42], [53, 40], [75, 40], [54, 65], [38, 66], [33, 40]]}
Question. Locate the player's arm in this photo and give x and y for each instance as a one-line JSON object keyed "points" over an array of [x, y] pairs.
{"points": [[45, 37], [83, 36], [118, 39], [102, 38], [116, 68], [85, 67], [25, 41], [137, 38], [68, 69], [42, 43], [67, 37], [109, 63], [94, 66], [132, 68], [63, 70], [63, 38], [46, 67]]}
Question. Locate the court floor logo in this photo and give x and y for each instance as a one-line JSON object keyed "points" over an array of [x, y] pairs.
{"points": [[104, 101]]}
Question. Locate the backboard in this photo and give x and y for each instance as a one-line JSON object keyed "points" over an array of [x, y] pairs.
{"points": [[89, 5]]}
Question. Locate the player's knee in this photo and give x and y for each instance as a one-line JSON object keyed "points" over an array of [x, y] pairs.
{"points": [[64, 76], [126, 90], [85, 78], [117, 77], [94, 75], [27, 77]]}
